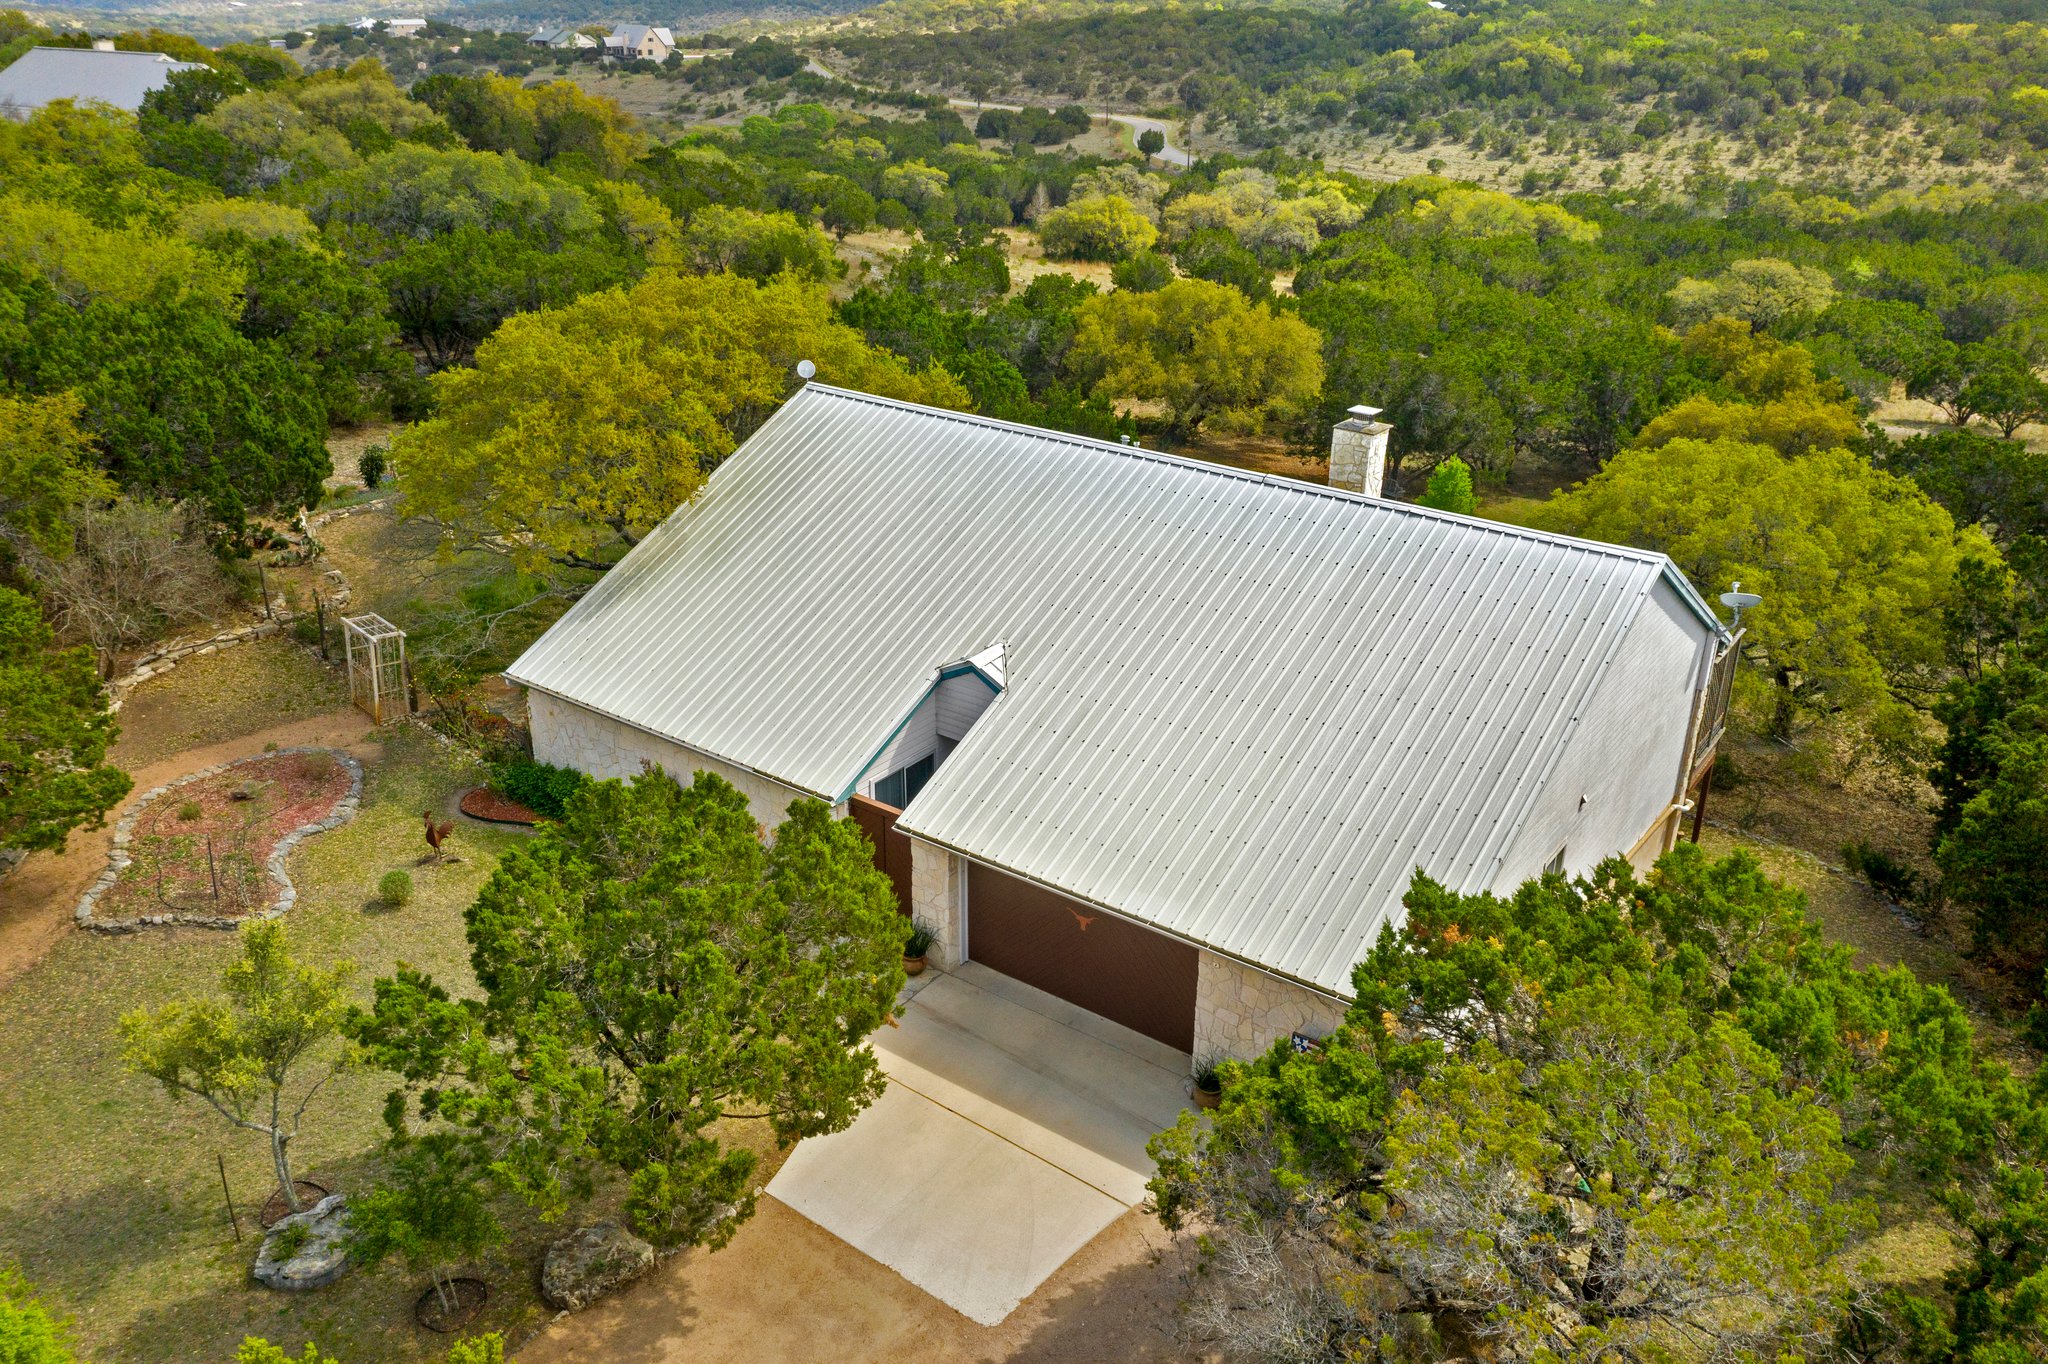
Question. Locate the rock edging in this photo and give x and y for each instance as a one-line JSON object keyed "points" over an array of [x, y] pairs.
{"points": [[165, 657], [124, 829]]}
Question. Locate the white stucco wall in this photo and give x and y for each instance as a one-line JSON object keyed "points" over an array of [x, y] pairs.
{"points": [[1239, 1011], [1623, 754], [567, 735], [935, 888]]}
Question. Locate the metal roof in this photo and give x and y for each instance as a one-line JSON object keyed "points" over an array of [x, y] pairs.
{"points": [[1240, 707], [43, 74], [632, 35]]}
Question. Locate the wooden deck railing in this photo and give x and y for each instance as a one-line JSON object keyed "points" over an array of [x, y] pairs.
{"points": [[1712, 718]]}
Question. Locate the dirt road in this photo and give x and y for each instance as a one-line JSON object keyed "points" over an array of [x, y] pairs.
{"points": [[787, 1290]]}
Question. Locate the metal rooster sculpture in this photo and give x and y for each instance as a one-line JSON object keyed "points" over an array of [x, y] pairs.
{"points": [[437, 834]]}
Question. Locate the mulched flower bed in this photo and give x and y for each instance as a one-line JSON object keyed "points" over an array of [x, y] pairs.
{"points": [[487, 805], [203, 846], [464, 1302], [275, 1209]]}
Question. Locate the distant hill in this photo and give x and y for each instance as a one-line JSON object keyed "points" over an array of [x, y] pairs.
{"points": [[218, 20], [1884, 91]]}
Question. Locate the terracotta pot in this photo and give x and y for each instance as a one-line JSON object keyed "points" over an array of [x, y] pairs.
{"points": [[913, 966], [1207, 1098]]}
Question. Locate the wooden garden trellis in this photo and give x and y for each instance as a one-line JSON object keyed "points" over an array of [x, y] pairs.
{"points": [[376, 665]]}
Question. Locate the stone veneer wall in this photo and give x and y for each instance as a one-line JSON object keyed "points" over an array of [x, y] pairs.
{"points": [[935, 901], [1358, 456], [1239, 1012], [567, 735]]}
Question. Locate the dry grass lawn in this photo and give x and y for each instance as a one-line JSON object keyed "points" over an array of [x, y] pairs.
{"points": [[109, 1194], [346, 446], [220, 696], [397, 569]]}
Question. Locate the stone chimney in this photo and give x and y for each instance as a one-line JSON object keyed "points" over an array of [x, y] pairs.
{"points": [[1358, 452], [103, 44]]}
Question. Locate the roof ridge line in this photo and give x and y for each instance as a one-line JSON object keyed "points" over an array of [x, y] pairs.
{"points": [[1295, 485]]}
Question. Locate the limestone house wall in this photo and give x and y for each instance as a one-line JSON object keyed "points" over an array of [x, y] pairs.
{"points": [[935, 876], [1239, 1011], [568, 735]]}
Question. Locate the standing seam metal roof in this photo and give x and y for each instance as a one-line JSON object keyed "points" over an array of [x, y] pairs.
{"points": [[44, 74], [1239, 707]]}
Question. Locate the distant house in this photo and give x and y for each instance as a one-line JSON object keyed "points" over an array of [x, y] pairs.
{"points": [[397, 28], [1161, 738], [96, 74], [640, 42], [561, 36]]}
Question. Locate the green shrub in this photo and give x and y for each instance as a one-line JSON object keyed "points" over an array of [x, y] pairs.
{"points": [[917, 939], [1143, 273], [541, 787], [371, 466], [190, 810], [257, 1350], [484, 1349], [292, 1240], [28, 1333], [1450, 488], [394, 888], [1887, 875]]}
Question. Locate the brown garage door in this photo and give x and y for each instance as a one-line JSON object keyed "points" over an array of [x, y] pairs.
{"points": [[1110, 966]]}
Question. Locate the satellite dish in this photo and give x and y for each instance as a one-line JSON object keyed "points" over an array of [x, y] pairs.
{"points": [[1738, 601], [805, 369]]}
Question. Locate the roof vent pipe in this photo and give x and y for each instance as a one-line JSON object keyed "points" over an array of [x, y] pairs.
{"points": [[1358, 452]]}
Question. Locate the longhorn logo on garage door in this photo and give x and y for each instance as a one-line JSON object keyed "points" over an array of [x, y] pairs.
{"points": [[1082, 919]]}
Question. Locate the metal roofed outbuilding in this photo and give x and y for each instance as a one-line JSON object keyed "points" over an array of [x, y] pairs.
{"points": [[1238, 708], [43, 75]]}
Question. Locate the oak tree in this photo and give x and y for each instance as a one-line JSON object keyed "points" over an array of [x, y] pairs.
{"points": [[580, 428], [1855, 565], [1201, 348]]}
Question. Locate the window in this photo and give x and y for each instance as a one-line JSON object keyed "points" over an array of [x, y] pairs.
{"points": [[900, 787], [1555, 864]]}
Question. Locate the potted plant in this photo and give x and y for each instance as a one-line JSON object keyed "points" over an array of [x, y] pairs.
{"points": [[917, 940], [1208, 1085]]}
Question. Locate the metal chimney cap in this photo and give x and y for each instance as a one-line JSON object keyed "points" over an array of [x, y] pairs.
{"points": [[1364, 413]]}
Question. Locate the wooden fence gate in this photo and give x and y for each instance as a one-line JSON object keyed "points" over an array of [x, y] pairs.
{"points": [[892, 849]]}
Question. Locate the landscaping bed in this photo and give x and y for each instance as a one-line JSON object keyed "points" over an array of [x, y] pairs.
{"points": [[209, 849], [487, 805]]}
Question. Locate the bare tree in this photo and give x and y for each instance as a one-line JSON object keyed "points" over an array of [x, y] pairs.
{"points": [[135, 572]]}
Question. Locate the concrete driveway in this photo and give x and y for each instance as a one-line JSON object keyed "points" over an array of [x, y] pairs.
{"points": [[1012, 1132]]}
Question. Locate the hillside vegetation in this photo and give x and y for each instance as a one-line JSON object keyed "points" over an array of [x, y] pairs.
{"points": [[1869, 90], [564, 318]]}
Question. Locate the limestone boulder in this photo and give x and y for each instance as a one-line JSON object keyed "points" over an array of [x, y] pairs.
{"points": [[312, 1257], [591, 1262]]}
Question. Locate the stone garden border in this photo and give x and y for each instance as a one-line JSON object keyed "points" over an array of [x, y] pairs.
{"points": [[124, 829]]}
